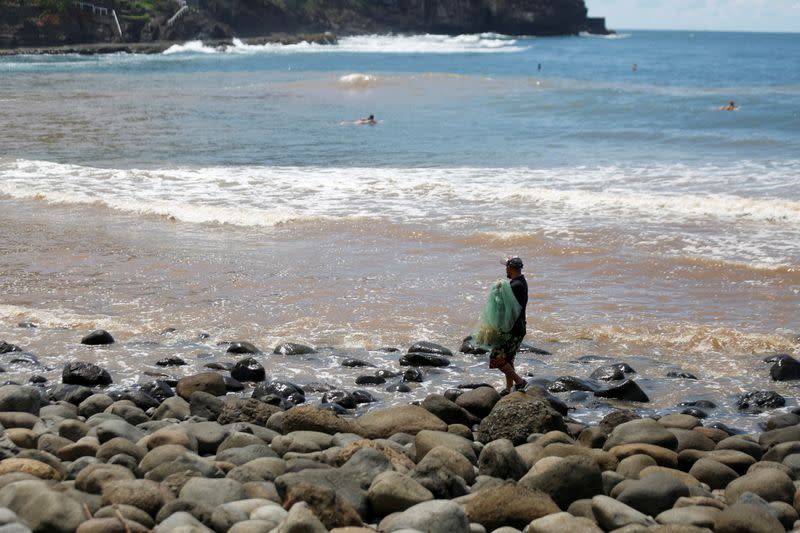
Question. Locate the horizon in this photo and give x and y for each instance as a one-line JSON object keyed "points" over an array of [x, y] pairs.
{"points": [[737, 16]]}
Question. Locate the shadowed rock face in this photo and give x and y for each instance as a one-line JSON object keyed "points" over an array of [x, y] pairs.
{"points": [[221, 19]]}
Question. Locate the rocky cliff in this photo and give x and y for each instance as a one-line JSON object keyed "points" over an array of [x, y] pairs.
{"points": [[155, 20]]}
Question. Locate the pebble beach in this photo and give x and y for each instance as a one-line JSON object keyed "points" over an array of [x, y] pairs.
{"points": [[228, 449]]}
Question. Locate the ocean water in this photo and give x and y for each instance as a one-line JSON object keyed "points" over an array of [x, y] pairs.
{"points": [[229, 191]]}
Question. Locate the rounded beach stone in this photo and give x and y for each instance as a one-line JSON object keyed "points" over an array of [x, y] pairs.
{"points": [[141, 493], [20, 398], [516, 420], [301, 442], [444, 457], [615, 418], [96, 403], [212, 492], [653, 494], [42, 509], [405, 418], [426, 440], [24, 438], [248, 369], [689, 439], [685, 478], [509, 505], [697, 515], [12, 419], [128, 411], [435, 516], [447, 410], [743, 445], [769, 483], [500, 459], [563, 523], [747, 517], [662, 456], [643, 431], [72, 429], [29, 466], [630, 467], [713, 473], [92, 478], [111, 525], [612, 514], [171, 435], [478, 401], [127, 511], [252, 526], [119, 445], [183, 521], [82, 373], [604, 460], [260, 469], [392, 492], [209, 382], [97, 337], [87, 447], [572, 478], [51, 443]]}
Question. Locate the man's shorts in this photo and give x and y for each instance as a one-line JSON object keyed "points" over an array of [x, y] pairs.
{"points": [[505, 352]]}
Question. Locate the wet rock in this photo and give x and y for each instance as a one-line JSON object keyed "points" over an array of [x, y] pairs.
{"points": [[141, 399], [680, 374], [81, 373], [219, 365], [509, 505], [530, 348], [340, 397], [248, 369], [398, 387], [570, 383], [209, 382], [413, 375], [8, 348], [615, 418], [627, 390], [424, 359], [281, 393], [370, 380], [158, 389], [429, 348], [757, 401], [516, 420], [785, 369], [97, 337], [572, 478], [613, 372], [695, 412], [478, 401], [243, 347], [171, 361], [362, 396], [290, 348], [782, 421], [351, 362], [468, 346]]}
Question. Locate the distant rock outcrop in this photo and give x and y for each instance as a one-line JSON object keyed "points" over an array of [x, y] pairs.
{"points": [[83, 23]]}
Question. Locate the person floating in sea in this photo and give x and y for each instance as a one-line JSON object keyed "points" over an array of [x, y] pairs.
{"points": [[539, 67], [369, 121], [730, 107], [503, 323], [634, 68]]}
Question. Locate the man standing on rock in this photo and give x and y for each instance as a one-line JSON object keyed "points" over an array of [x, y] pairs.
{"points": [[503, 354]]}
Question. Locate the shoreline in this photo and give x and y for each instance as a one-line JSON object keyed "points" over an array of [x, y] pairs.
{"points": [[189, 453], [157, 47]]}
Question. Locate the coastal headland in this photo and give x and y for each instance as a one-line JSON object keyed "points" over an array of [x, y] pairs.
{"points": [[199, 454], [149, 26]]}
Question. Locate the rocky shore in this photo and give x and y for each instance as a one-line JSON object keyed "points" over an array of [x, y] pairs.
{"points": [[195, 455]]}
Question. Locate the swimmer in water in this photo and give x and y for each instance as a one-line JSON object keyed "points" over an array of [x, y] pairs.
{"points": [[730, 107], [369, 121]]}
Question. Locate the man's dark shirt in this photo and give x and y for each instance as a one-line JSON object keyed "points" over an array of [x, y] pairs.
{"points": [[520, 288]]}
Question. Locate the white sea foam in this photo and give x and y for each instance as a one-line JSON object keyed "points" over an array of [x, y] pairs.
{"points": [[369, 44], [357, 80], [610, 36], [695, 206]]}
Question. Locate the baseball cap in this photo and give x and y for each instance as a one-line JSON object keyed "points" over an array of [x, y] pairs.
{"points": [[513, 262]]}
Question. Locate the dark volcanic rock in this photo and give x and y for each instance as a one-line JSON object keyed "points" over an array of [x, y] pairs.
{"points": [[340, 397], [757, 400], [354, 363], [281, 393], [423, 359], [570, 383], [242, 347], [362, 396], [516, 420], [370, 380], [530, 348], [429, 348], [99, 336], [785, 369], [6, 347], [613, 372], [80, 373], [73, 394], [680, 375], [468, 346], [627, 390], [248, 369], [158, 389], [171, 361], [291, 348], [413, 375]]}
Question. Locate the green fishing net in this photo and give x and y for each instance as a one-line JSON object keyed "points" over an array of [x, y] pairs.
{"points": [[498, 317]]}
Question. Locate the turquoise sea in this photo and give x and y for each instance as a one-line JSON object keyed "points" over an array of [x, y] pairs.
{"points": [[228, 190]]}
